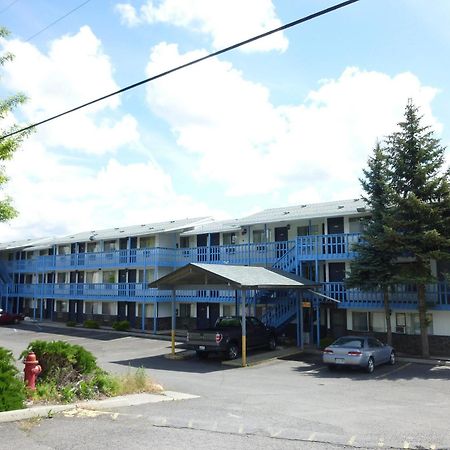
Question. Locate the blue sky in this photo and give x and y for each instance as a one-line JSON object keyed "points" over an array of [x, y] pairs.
{"points": [[289, 121]]}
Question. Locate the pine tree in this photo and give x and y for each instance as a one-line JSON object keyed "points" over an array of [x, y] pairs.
{"points": [[421, 212], [8, 145], [374, 267]]}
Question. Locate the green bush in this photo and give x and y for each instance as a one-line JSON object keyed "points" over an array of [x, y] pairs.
{"points": [[122, 325], [12, 389], [71, 323], [69, 372], [62, 362], [91, 324]]}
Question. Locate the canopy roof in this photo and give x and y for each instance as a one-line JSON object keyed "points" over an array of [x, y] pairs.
{"points": [[225, 276]]}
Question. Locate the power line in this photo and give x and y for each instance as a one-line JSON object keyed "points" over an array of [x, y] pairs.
{"points": [[56, 21], [8, 6], [190, 63]]}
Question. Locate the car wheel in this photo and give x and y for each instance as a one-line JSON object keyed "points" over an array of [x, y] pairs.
{"points": [[232, 351], [392, 358], [201, 355], [331, 367], [272, 343], [370, 365], [16, 321]]}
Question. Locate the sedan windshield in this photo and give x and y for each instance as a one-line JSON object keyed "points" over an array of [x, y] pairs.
{"points": [[349, 342]]}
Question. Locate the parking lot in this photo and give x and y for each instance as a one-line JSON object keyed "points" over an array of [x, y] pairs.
{"points": [[293, 402]]}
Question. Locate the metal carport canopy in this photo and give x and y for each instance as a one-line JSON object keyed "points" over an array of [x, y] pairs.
{"points": [[228, 277]]}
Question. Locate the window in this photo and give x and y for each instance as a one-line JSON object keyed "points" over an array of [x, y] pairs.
{"points": [[185, 310], [110, 246], [92, 247], [147, 242], [308, 230], [63, 249], [400, 323], [229, 238], [258, 236], [357, 224], [109, 276], [61, 278], [107, 308], [184, 241], [360, 321], [228, 310], [149, 276], [415, 323]]}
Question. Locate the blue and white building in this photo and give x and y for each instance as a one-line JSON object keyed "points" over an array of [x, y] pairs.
{"points": [[104, 275]]}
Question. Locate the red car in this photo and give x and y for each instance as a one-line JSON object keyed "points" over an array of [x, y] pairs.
{"points": [[6, 317]]}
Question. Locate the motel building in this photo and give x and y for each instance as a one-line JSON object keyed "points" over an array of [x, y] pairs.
{"points": [[104, 275]]}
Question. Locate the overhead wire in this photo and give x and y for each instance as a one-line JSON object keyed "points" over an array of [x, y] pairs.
{"points": [[8, 6], [56, 21], [183, 66]]}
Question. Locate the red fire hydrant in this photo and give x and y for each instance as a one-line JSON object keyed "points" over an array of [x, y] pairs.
{"points": [[32, 370]]}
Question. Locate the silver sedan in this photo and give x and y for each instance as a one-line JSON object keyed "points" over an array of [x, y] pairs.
{"points": [[360, 351]]}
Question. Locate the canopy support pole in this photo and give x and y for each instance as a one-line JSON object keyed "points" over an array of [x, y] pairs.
{"points": [[173, 322], [244, 328]]}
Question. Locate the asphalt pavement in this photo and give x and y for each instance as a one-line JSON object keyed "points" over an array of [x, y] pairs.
{"points": [[288, 402]]}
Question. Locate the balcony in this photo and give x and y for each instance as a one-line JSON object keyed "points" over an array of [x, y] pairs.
{"points": [[303, 248], [402, 297]]}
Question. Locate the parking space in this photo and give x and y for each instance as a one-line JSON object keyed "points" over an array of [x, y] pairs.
{"points": [[291, 399]]}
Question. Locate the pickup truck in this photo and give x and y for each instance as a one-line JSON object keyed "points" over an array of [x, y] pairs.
{"points": [[6, 317], [226, 337]]}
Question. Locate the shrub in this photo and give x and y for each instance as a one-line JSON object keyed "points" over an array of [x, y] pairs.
{"points": [[91, 324], [71, 323], [122, 325], [12, 389], [62, 362]]}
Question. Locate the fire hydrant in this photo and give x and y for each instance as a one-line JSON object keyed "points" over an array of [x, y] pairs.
{"points": [[32, 370]]}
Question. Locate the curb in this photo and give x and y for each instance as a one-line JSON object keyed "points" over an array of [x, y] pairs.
{"points": [[108, 403], [262, 358]]}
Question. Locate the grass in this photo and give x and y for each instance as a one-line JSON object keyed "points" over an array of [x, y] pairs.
{"points": [[136, 382], [104, 385]]}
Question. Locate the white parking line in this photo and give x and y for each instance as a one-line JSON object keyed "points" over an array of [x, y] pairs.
{"points": [[393, 371], [380, 443], [351, 441], [406, 444], [312, 436]]}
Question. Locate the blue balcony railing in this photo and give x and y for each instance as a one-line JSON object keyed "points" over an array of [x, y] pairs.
{"points": [[401, 296], [303, 248], [138, 292]]}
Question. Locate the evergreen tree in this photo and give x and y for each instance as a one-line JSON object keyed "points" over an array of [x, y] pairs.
{"points": [[421, 205], [8, 145], [374, 267]]}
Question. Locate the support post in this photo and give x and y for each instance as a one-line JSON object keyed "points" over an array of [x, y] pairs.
{"points": [[302, 343], [143, 308], [244, 328], [173, 322], [298, 319], [318, 323], [155, 317]]}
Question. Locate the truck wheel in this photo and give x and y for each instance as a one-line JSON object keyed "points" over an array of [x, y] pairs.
{"points": [[232, 351], [272, 343]]}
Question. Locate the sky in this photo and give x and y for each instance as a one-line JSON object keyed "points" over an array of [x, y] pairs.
{"points": [[289, 119]]}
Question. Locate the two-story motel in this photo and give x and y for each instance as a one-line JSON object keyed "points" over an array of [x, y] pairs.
{"points": [[104, 275]]}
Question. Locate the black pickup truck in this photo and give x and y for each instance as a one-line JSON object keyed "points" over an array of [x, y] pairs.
{"points": [[226, 337]]}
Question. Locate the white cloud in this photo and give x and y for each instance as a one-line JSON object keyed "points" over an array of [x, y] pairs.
{"points": [[226, 21], [55, 198], [248, 145], [75, 71], [128, 14]]}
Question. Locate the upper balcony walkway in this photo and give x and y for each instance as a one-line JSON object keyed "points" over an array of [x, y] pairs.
{"points": [[304, 248]]}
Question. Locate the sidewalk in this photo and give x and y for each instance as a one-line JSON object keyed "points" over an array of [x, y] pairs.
{"points": [[97, 405]]}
